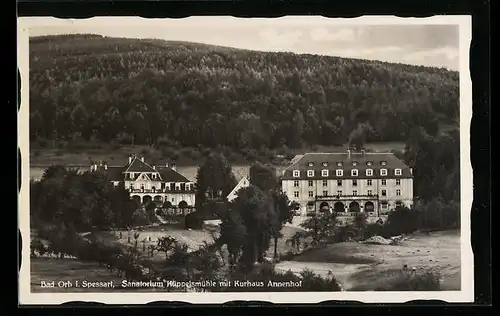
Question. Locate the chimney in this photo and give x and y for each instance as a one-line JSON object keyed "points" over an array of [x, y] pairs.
{"points": [[172, 166], [142, 158], [166, 164], [411, 170], [154, 167], [95, 166], [129, 159], [363, 152], [349, 153], [105, 166]]}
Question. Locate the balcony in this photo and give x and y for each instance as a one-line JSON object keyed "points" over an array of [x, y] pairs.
{"points": [[151, 191], [346, 197]]}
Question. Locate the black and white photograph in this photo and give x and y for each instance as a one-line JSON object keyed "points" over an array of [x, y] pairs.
{"points": [[210, 159]]}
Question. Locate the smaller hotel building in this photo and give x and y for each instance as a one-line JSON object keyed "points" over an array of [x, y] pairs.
{"points": [[348, 183], [147, 182]]}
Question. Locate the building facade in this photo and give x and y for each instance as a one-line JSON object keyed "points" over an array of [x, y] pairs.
{"points": [[348, 183], [146, 182]]}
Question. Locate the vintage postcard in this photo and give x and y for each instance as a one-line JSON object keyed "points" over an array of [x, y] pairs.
{"points": [[212, 159]]}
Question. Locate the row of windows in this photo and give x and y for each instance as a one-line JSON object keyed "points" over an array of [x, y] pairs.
{"points": [[369, 182], [172, 187], [354, 163], [354, 172], [354, 192]]}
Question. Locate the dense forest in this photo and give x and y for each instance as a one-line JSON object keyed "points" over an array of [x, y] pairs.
{"points": [[159, 93]]}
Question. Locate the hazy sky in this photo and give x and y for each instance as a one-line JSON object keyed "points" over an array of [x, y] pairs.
{"points": [[420, 44]]}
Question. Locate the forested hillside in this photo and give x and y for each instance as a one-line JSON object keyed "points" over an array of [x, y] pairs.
{"points": [[152, 92]]}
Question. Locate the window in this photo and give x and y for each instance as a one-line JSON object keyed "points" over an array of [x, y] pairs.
{"points": [[397, 172], [325, 183], [310, 164], [368, 182], [339, 183], [310, 173], [369, 172], [398, 192], [325, 193], [354, 192], [384, 205], [369, 163], [311, 194], [187, 187], [325, 164], [131, 188], [153, 176], [296, 183], [296, 194], [398, 181], [339, 172], [324, 173], [354, 183], [354, 172], [370, 192], [383, 163], [310, 183], [383, 172], [384, 182], [296, 173], [132, 175], [339, 192], [339, 163], [384, 193]]}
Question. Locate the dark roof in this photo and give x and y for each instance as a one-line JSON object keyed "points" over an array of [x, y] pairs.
{"points": [[137, 165], [117, 173], [361, 160], [170, 175]]}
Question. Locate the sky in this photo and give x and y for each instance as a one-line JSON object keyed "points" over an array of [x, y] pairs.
{"points": [[435, 45]]}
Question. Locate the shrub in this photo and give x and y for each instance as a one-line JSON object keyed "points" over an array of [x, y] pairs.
{"points": [[408, 280]]}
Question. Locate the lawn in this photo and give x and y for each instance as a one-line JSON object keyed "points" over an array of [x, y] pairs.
{"points": [[368, 267]]}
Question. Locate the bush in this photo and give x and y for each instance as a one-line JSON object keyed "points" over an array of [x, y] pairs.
{"points": [[414, 281]]}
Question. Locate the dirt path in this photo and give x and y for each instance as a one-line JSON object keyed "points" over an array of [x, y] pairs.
{"points": [[364, 266]]}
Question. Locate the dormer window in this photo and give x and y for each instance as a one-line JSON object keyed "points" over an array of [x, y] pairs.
{"points": [[397, 172], [296, 173], [132, 175], [325, 164], [153, 176], [339, 164], [369, 163], [324, 173], [310, 173], [339, 172], [354, 172], [311, 164], [383, 172], [369, 172], [383, 163], [354, 163]]}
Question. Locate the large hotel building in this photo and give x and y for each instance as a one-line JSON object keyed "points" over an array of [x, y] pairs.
{"points": [[348, 183]]}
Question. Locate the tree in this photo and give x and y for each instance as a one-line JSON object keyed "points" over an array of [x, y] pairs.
{"points": [[214, 181], [257, 214], [320, 227], [263, 177], [233, 234]]}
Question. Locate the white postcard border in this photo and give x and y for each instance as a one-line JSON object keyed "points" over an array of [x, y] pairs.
{"points": [[466, 293]]}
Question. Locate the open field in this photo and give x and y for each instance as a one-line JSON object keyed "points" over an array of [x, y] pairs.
{"points": [[368, 267]]}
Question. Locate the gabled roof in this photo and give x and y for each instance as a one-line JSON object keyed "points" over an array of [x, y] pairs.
{"points": [[244, 182], [169, 175], [137, 165]]}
